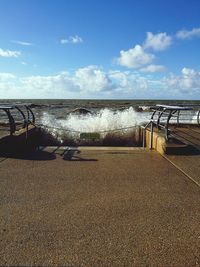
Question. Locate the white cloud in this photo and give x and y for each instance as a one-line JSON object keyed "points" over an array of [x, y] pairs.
{"points": [[92, 78], [83, 81], [157, 42], [128, 81], [72, 40], [94, 82], [138, 57], [134, 58], [9, 53], [87, 82], [8, 85], [153, 68], [121, 79], [188, 81], [4, 76], [22, 43], [53, 86], [195, 32]]}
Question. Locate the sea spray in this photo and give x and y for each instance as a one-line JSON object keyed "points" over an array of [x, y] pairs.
{"points": [[113, 126]]}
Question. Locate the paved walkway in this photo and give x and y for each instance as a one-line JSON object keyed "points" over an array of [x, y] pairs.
{"points": [[101, 208], [189, 135], [189, 164]]}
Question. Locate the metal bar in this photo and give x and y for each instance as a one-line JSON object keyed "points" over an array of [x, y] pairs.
{"points": [[178, 117], [151, 137], [11, 121], [159, 117], [29, 111], [198, 117], [154, 112], [23, 115], [167, 125], [144, 134]]}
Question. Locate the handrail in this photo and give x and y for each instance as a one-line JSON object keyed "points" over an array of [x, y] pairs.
{"points": [[23, 115], [144, 134], [198, 117], [166, 113], [29, 110], [10, 118], [27, 119]]}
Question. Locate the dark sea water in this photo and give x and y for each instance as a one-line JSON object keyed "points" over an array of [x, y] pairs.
{"points": [[73, 103], [60, 107]]}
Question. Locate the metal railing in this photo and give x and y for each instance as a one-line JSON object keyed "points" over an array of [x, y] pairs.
{"points": [[163, 116], [25, 113]]}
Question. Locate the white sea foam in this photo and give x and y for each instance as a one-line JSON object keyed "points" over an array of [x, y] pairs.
{"points": [[104, 120], [144, 107], [195, 117]]}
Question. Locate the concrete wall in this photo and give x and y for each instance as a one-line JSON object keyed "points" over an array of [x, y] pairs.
{"points": [[158, 141]]}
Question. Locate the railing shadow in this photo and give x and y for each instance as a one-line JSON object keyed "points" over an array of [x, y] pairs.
{"points": [[73, 155], [38, 155]]}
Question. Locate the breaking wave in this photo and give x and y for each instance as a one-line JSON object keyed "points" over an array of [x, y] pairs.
{"points": [[113, 125]]}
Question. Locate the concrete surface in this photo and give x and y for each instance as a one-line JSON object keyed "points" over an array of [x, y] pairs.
{"points": [[101, 208], [181, 140], [189, 135], [190, 164]]}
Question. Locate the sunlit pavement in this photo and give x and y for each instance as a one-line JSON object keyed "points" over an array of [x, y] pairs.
{"points": [[97, 208]]}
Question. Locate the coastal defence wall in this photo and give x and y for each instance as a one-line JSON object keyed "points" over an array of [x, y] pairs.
{"points": [[33, 137], [36, 136]]}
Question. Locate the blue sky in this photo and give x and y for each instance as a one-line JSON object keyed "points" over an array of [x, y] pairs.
{"points": [[100, 49]]}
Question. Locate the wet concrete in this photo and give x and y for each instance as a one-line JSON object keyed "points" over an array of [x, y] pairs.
{"points": [[97, 208]]}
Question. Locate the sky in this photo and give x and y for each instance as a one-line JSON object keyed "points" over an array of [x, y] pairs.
{"points": [[100, 49]]}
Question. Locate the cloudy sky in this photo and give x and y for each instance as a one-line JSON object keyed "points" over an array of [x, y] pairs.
{"points": [[124, 49]]}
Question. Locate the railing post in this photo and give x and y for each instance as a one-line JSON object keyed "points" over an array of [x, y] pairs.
{"points": [[29, 111], [11, 121], [144, 137], [178, 117], [167, 125], [22, 113], [151, 137], [161, 112], [198, 117]]}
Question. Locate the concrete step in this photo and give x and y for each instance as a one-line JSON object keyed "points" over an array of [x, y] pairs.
{"points": [[179, 144], [188, 137], [175, 148]]}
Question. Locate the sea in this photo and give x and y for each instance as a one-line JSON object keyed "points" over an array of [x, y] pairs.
{"points": [[117, 122]]}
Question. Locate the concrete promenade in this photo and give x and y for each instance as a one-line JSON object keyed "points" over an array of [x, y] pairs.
{"points": [[112, 207]]}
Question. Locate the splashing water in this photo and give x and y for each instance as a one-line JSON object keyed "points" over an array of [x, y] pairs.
{"points": [[104, 121]]}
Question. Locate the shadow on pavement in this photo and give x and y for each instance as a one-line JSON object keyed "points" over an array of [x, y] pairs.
{"points": [[42, 155], [30, 155], [72, 155], [188, 151]]}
